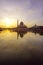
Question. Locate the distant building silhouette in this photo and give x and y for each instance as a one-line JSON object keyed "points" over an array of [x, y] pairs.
{"points": [[0, 29], [40, 27]]}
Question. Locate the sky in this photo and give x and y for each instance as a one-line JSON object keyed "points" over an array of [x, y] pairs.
{"points": [[28, 11]]}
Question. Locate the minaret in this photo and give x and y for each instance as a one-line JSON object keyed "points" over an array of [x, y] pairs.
{"points": [[17, 23], [17, 30], [35, 26]]}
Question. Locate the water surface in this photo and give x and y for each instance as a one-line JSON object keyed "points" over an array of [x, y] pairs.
{"points": [[20, 47]]}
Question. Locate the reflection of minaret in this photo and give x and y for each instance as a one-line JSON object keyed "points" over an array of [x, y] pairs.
{"points": [[17, 35]]}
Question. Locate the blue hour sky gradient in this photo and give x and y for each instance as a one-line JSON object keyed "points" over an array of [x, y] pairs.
{"points": [[29, 11]]}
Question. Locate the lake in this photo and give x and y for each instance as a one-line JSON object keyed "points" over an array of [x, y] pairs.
{"points": [[20, 47]]}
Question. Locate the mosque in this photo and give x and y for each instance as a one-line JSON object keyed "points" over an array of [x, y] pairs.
{"points": [[21, 25]]}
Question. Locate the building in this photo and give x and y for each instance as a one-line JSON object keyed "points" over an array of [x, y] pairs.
{"points": [[22, 25], [0, 29]]}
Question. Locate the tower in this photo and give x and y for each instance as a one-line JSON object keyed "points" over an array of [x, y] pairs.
{"points": [[17, 23]]}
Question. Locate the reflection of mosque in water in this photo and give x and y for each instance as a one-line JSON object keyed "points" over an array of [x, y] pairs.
{"points": [[22, 29], [38, 32], [21, 34]]}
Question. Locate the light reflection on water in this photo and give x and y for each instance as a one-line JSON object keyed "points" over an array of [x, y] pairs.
{"points": [[25, 47]]}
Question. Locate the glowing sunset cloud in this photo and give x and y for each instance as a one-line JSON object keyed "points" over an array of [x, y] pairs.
{"points": [[9, 22]]}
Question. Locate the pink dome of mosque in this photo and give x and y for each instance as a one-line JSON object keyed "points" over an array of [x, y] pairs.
{"points": [[22, 25]]}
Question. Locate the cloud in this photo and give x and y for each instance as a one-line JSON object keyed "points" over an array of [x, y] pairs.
{"points": [[28, 10]]}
